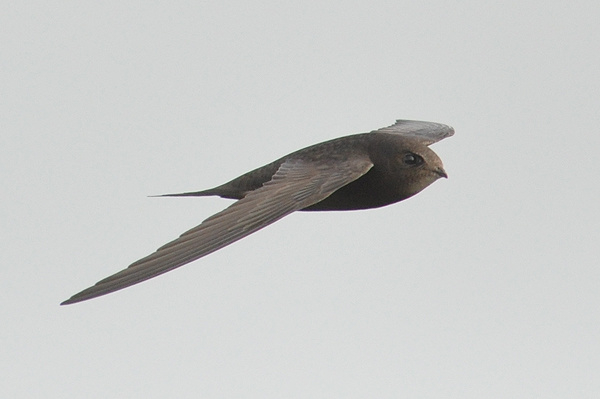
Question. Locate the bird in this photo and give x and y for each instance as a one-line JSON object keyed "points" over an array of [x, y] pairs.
{"points": [[359, 171]]}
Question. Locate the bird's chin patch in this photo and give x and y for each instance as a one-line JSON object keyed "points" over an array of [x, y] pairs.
{"points": [[426, 182]]}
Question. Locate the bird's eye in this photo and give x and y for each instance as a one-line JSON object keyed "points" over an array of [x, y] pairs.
{"points": [[412, 159]]}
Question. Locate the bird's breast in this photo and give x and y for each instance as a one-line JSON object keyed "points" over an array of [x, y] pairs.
{"points": [[372, 190]]}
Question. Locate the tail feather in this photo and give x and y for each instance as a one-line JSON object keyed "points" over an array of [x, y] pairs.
{"points": [[203, 193]]}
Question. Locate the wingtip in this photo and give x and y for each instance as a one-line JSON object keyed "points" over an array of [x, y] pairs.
{"points": [[450, 130], [67, 302], [75, 299], [427, 132], [88, 293]]}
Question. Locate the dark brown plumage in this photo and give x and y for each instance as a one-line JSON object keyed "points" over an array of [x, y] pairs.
{"points": [[361, 171]]}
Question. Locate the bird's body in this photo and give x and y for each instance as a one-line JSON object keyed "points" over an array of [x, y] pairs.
{"points": [[360, 171], [378, 187]]}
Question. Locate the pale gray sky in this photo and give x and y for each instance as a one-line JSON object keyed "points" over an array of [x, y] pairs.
{"points": [[484, 285]]}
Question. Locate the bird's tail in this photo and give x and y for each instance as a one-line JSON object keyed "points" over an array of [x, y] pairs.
{"points": [[203, 193]]}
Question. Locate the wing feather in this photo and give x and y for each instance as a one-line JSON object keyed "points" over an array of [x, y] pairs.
{"points": [[427, 132], [296, 185]]}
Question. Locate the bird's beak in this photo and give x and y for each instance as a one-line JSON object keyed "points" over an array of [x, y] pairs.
{"points": [[441, 172]]}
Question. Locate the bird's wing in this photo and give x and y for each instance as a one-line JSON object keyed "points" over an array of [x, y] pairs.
{"points": [[296, 185], [427, 132]]}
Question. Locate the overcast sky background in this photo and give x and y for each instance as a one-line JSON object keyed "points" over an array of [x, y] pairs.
{"points": [[484, 285]]}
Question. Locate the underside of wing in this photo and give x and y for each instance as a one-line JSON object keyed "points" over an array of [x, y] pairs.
{"points": [[427, 132], [296, 185]]}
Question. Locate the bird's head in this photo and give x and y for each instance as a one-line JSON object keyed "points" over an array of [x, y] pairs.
{"points": [[415, 166]]}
